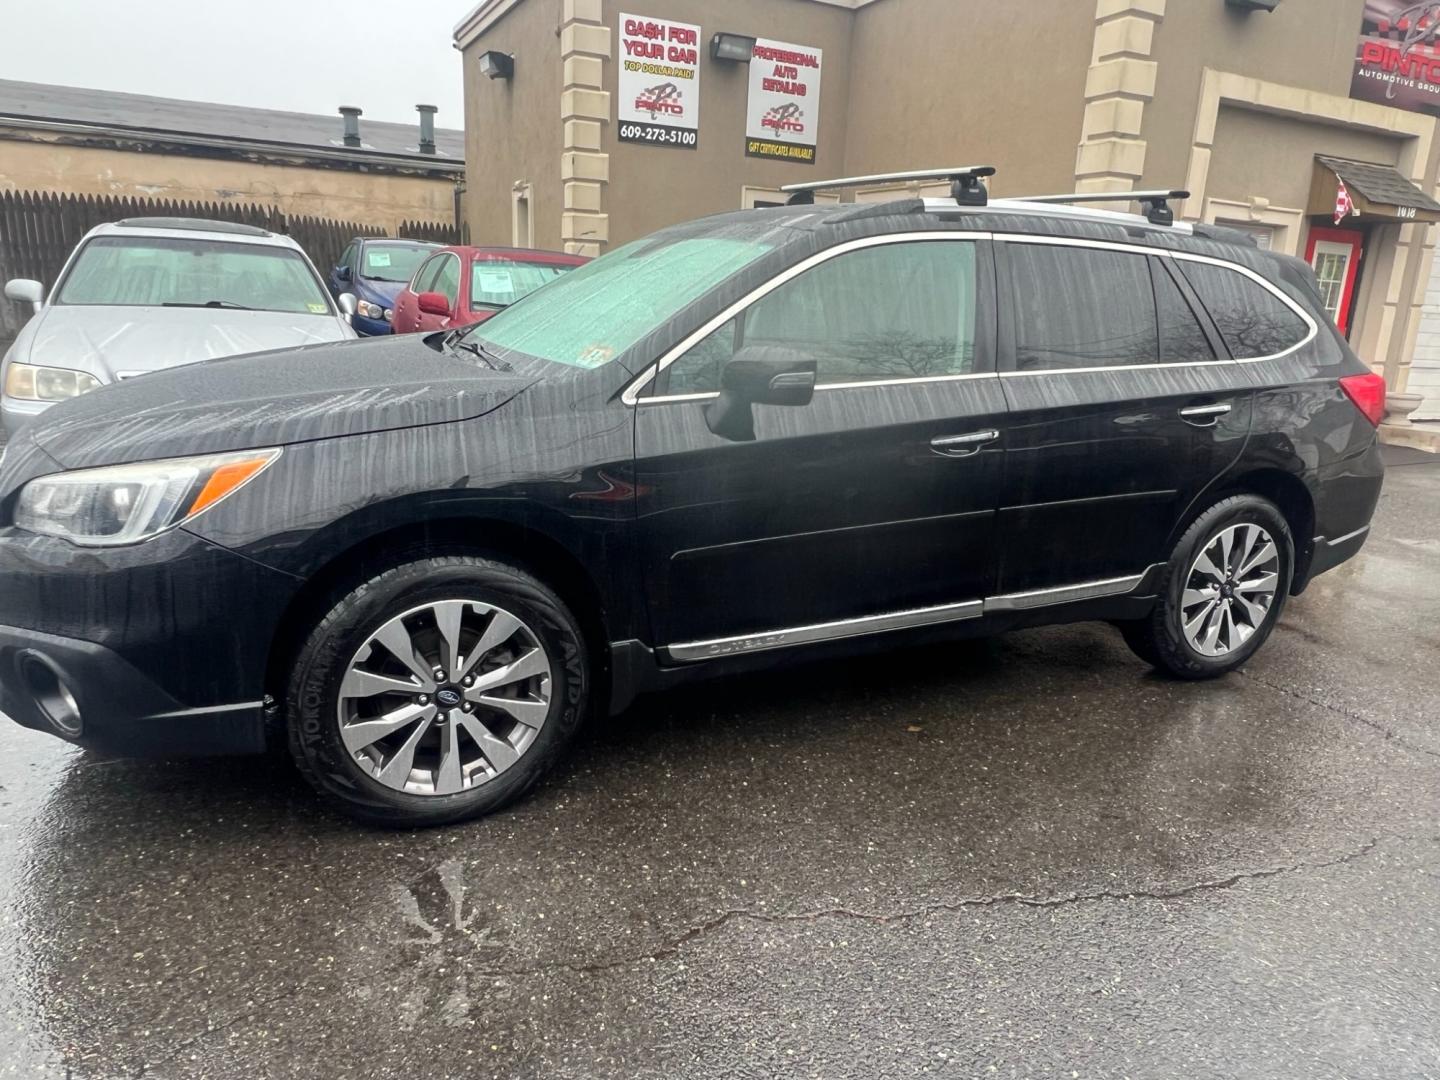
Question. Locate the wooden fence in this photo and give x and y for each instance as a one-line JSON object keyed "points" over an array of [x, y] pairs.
{"points": [[39, 230]]}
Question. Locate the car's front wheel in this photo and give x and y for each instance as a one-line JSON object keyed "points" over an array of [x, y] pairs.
{"points": [[436, 691], [1223, 591]]}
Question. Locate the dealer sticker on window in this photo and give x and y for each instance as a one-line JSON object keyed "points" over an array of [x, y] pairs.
{"points": [[317, 309]]}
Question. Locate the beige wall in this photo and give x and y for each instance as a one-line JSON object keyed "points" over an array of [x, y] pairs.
{"points": [[512, 126], [947, 82], [655, 186], [364, 198], [1310, 44]]}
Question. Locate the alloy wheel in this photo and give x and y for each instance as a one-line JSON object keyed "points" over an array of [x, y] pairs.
{"points": [[1230, 590], [445, 697]]}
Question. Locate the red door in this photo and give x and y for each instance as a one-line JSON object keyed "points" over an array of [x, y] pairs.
{"points": [[1334, 254]]}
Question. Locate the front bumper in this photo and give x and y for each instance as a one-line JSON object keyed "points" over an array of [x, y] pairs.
{"points": [[160, 648], [91, 696], [15, 412], [370, 327]]}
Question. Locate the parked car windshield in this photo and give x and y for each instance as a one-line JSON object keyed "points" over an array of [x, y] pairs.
{"points": [[589, 316], [163, 271], [498, 283], [393, 262]]}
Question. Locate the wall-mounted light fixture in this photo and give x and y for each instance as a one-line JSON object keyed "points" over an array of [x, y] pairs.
{"points": [[1253, 5], [737, 48], [497, 65]]}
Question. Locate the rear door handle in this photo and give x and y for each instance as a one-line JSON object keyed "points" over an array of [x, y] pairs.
{"points": [[1204, 415], [963, 445]]}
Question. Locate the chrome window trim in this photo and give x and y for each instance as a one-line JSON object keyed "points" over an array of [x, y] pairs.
{"points": [[646, 377], [1164, 253]]}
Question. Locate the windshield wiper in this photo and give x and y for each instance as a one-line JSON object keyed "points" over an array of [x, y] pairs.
{"points": [[209, 303], [458, 340]]}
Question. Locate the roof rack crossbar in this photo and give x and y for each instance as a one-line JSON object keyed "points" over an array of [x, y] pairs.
{"points": [[965, 185], [1156, 203]]}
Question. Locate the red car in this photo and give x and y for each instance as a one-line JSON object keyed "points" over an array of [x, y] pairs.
{"points": [[457, 286]]}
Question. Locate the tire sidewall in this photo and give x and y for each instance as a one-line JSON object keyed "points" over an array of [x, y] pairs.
{"points": [[321, 665], [1238, 510]]}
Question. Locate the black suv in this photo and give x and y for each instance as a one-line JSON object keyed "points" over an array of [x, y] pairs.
{"points": [[748, 439]]}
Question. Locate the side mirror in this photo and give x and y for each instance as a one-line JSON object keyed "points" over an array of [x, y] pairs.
{"points": [[434, 303], [758, 375], [26, 291], [347, 303], [342, 273]]}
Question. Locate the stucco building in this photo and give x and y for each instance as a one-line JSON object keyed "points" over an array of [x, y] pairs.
{"points": [[1260, 108]]}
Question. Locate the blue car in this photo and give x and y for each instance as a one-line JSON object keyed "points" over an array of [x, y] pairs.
{"points": [[374, 270]]}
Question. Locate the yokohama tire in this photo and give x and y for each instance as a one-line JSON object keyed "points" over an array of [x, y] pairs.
{"points": [[313, 695], [1161, 638]]}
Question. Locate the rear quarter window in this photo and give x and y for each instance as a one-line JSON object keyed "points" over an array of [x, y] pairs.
{"points": [[1253, 321]]}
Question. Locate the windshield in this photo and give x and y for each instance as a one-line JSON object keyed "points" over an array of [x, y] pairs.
{"points": [[590, 315], [499, 283], [158, 271], [393, 262]]}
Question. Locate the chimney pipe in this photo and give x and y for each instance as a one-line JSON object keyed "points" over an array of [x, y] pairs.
{"points": [[427, 128], [352, 124]]}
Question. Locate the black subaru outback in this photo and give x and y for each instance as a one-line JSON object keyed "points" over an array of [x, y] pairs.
{"points": [[740, 441]]}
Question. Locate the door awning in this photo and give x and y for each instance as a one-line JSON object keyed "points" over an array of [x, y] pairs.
{"points": [[1379, 193]]}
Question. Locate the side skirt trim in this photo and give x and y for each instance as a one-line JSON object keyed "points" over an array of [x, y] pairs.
{"points": [[831, 631], [900, 620]]}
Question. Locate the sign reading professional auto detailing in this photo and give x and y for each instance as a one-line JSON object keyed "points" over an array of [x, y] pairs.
{"points": [[783, 117], [659, 82], [1398, 62]]}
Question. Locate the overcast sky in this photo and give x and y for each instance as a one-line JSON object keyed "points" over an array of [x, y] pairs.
{"points": [[382, 55]]}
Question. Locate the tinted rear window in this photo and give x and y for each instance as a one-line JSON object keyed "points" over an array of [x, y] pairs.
{"points": [[1182, 340], [1253, 321], [1082, 308]]}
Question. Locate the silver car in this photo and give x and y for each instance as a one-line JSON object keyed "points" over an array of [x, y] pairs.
{"points": [[149, 293]]}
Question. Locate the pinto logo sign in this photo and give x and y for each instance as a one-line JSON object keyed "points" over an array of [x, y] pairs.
{"points": [[782, 120], [659, 99], [1398, 60]]}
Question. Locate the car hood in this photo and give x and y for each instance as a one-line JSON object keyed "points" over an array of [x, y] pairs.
{"points": [[385, 291], [116, 342], [271, 399]]}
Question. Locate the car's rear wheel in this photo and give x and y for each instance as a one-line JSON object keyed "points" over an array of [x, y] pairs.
{"points": [[439, 690], [1223, 591]]}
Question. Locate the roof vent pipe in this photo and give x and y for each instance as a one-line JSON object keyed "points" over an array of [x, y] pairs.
{"points": [[352, 124], [427, 128]]}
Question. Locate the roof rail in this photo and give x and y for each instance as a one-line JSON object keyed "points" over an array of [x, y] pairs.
{"points": [[965, 186], [1156, 203]]}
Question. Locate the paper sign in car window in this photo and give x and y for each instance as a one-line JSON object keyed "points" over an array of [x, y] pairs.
{"points": [[496, 281], [316, 309], [377, 259]]}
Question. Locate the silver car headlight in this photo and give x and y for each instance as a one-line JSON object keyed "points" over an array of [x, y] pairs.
{"points": [[31, 383], [125, 504]]}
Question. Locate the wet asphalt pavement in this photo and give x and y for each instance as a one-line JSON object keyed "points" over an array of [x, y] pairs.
{"points": [[1020, 857]]}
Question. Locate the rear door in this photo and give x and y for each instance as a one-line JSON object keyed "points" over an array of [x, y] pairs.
{"points": [[871, 508], [1124, 408]]}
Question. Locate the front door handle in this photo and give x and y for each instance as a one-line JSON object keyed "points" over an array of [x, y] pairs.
{"points": [[963, 445], [1204, 415]]}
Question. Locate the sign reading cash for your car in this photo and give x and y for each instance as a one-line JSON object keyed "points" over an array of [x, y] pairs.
{"points": [[659, 82], [782, 119]]}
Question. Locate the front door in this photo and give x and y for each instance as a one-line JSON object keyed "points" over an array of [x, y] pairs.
{"points": [[1334, 254], [1123, 411], [872, 507]]}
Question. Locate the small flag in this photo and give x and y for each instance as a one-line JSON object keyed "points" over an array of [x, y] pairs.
{"points": [[1343, 204]]}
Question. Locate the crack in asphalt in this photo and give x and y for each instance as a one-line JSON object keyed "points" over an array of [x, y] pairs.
{"points": [[147, 1068], [1374, 725], [672, 948]]}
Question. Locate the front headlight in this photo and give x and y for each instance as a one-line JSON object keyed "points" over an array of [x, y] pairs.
{"points": [[31, 383], [369, 310], [124, 504]]}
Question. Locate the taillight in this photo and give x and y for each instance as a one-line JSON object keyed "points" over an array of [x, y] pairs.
{"points": [[1368, 393]]}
